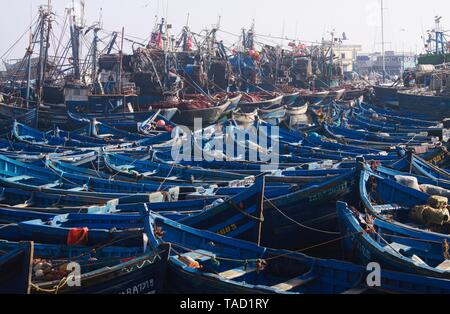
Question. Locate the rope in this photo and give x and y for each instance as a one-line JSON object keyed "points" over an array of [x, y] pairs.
{"points": [[8, 225], [246, 261], [298, 223], [243, 212], [55, 289]]}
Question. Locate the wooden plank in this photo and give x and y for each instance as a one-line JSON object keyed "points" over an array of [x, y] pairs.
{"points": [[356, 290], [445, 266], [236, 273], [18, 178], [294, 283]]}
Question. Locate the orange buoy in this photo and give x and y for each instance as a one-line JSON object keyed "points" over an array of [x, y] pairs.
{"points": [[161, 123]]}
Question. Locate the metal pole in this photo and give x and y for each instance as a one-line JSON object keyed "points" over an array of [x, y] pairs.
{"points": [[94, 59], [30, 53], [121, 62]]}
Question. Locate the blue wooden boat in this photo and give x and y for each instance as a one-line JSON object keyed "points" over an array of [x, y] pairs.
{"points": [[8, 145], [81, 229], [11, 113], [415, 164], [82, 138], [366, 111], [391, 201], [431, 105], [300, 107], [86, 170], [374, 126], [391, 174], [114, 270], [204, 262], [366, 242], [16, 268], [235, 99], [208, 116], [15, 174], [23, 133], [407, 118], [239, 216], [128, 121], [367, 139], [290, 99], [387, 94], [316, 98], [145, 169], [224, 216], [260, 101]]}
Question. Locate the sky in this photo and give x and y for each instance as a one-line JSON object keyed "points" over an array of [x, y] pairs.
{"points": [[405, 20]]}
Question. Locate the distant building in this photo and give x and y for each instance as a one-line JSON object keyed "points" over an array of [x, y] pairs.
{"points": [[348, 54], [395, 63]]}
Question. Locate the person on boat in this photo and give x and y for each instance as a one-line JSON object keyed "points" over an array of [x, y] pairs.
{"points": [[111, 83]]}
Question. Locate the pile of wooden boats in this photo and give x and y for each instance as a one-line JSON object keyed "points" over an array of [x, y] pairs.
{"points": [[111, 197]]}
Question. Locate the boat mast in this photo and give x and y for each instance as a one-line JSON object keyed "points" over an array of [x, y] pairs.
{"points": [[121, 63], [75, 41], [47, 39], [382, 41], [40, 68], [29, 53]]}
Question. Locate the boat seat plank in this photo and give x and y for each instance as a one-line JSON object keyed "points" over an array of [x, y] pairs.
{"points": [[22, 206], [19, 178], [50, 185], [103, 136], [356, 290], [386, 208], [77, 189], [294, 283], [401, 248], [148, 173], [236, 273], [444, 266], [127, 167], [199, 255]]}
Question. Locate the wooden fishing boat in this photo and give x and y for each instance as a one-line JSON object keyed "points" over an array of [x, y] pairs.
{"points": [[380, 141], [290, 98], [106, 270], [25, 134], [129, 122], [32, 178], [199, 107], [298, 108], [336, 94], [387, 94], [372, 125], [315, 98], [244, 117], [353, 93], [260, 101], [393, 118], [428, 105], [16, 268], [126, 166], [235, 99], [273, 112], [10, 113], [365, 242], [415, 164], [397, 117], [99, 135], [210, 263]]}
